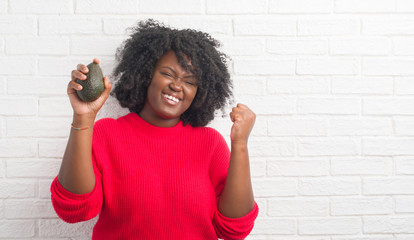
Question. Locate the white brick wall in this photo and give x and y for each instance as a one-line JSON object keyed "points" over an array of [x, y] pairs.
{"points": [[331, 82]]}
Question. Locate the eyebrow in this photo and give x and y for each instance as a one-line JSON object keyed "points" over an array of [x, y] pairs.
{"points": [[191, 76]]}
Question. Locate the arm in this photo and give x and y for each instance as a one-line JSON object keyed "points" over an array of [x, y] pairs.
{"points": [[237, 197], [76, 172]]}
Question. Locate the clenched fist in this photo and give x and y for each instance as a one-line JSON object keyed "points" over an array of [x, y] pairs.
{"points": [[243, 120]]}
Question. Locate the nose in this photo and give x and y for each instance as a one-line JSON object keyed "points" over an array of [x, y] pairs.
{"points": [[176, 85]]}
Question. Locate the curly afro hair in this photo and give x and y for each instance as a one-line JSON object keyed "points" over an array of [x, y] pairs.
{"points": [[148, 42]]}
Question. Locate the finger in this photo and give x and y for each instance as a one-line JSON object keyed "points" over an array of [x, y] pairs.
{"points": [[232, 117], [95, 60], [240, 105], [82, 68], [78, 75], [74, 85]]}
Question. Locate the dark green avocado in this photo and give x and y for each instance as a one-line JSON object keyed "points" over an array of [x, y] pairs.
{"points": [[93, 86]]}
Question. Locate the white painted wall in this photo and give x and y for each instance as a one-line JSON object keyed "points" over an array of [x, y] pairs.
{"points": [[331, 82]]}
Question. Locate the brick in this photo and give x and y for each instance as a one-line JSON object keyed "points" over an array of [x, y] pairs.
{"points": [[3, 6], [394, 185], [41, 7], [388, 106], [285, 237], [242, 7], [361, 127], [388, 25], [13, 65], [267, 147], [328, 26], [405, 6], [18, 106], [361, 166], [17, 228], [300, 6], [18, 25], [37, 85], [15, 147], [267, 26], [64, 66], [364, 6], [68, 25], [340, 106], [329, 186], [180, 7], [404, 86], [362, 85], [52, 148], [280, 104], [388, 146], [106, 7], [404, 204], [298, 85], [328, 66], [210, 24], [301, 207], [257, 167], [274, 226], [293, 47], [361, 206], [404, 127], [37, 46], [58, 228], [298, 168], [387, 66], [32, 168], [247, 85], [404, 237], [3, 84], [29, 208], [332, 225], [403, 46], [55, 107], [44, 188], [359, 46], [338, 146], [119, 25], [271, 187], [404, 166], [388, 224], [287, 126], [242, 46], [370, 237], [285, 66], [91, 46], [16, 189]]}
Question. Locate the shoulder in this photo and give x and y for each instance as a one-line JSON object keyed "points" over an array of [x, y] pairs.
{"points": [[210, 136]]}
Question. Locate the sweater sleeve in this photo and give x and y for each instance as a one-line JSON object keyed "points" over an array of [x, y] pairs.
{"points": [[73, 208], [227, 228]]}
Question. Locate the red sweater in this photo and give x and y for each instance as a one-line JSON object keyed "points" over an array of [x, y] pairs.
{"points": [[154, 183]]}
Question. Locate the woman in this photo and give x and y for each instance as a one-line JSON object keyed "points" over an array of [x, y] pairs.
{"points": [[158, 172]]}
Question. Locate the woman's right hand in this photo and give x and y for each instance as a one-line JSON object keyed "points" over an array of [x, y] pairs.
{"points": [[85, 109]]}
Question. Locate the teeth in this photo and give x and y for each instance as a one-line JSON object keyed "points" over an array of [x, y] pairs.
{"points": [[171, 98]]}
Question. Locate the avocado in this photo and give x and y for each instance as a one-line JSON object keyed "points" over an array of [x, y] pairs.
{"points": [[94, 84]]}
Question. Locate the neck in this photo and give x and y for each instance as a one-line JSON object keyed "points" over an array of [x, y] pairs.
{"points": [[158, 121]]}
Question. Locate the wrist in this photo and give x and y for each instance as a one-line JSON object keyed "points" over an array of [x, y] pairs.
{"points": [[81, 121]]}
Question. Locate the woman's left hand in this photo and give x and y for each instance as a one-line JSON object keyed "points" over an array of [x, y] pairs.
{"points": [[243, 120]]}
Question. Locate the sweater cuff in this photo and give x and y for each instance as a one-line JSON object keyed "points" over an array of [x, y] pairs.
{"points": [[252, 215], [62, 193]]}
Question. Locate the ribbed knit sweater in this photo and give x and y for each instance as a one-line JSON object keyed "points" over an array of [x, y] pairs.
{"points": [[154, 183]]}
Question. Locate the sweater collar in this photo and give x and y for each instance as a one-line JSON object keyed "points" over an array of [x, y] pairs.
{"points": [[148, 128]]}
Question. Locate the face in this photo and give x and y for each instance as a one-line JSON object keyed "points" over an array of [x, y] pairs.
{"points": [[170, 93]]}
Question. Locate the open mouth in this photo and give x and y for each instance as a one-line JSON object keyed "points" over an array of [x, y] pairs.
{"points": [[170, 99]]}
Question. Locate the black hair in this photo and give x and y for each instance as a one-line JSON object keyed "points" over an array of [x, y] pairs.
{"points": [[148, 42]]}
